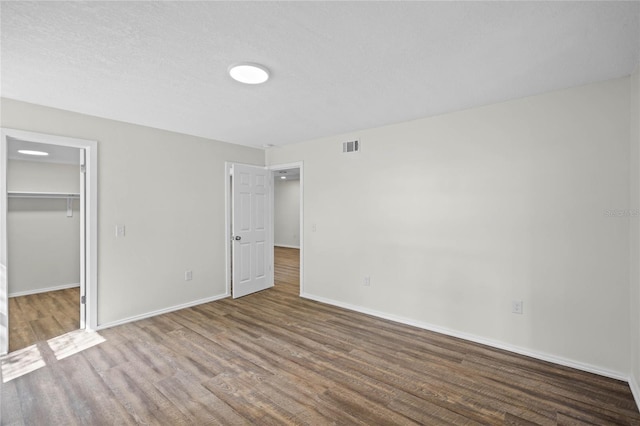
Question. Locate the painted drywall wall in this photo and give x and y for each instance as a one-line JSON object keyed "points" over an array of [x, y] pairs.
{"points": [[286, 207], [168, 190], [634, 223], [454, 217], [44, 244]]}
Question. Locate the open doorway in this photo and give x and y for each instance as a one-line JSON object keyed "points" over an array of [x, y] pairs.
{"points": [[234, 217], [43, 239], [287, 186], [48, 237]]}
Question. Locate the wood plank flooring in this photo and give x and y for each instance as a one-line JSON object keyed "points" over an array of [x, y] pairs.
{"points": [[274, 358], [42, 316]]}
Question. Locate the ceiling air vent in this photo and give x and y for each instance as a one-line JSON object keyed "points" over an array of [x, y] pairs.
{"points": [[351, 146]]}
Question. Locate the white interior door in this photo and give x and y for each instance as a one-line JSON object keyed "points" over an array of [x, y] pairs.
{"points": [[251, 229], [83, 239]]}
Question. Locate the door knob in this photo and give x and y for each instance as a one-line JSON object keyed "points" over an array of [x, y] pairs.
{"points": [[238, 238]]}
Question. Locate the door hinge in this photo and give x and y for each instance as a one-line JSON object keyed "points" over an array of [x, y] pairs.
{"points": [[83, 300], [83, 168]]}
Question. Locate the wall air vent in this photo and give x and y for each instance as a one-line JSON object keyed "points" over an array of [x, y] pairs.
{"points": [[351, 146]]}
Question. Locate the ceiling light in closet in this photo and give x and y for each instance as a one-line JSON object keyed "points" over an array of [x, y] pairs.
{"points": [[30, 152], [249, 73], [283, 177]]}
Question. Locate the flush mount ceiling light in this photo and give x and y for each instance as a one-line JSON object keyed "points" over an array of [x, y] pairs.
{"points": [[283, 177], [249, 73], [30, 152]]}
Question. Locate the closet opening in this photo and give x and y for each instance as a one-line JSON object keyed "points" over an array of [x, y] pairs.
{"points": [[48, 240], [45, 189]]}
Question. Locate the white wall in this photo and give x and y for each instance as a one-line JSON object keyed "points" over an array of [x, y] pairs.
{"points": [[44, 244], [635, 234], [453, 217], [168, 190], [286, 194]]}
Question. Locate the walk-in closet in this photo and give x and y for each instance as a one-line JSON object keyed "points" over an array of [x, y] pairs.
{"points": [[43, 241]]}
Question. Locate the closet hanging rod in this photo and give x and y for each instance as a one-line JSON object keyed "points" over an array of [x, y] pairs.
{"points": [[19, 194]]}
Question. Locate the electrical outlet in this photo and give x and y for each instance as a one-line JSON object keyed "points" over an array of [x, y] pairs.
{"points": [[188, 275], [119, 231], [367, 281], [313, 228], [516, 307]]}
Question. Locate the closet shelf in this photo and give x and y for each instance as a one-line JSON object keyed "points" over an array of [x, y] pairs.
{"points": [[19, 194]]}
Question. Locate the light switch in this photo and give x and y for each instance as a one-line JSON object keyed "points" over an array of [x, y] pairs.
{"points": [[119, 230]]}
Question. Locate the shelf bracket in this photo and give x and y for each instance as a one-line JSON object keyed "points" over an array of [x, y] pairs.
{"points": [[69, 207]]}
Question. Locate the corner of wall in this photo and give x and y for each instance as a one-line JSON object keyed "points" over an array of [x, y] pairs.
{"points": [[634, 241], [635, 390], [267, 156]]}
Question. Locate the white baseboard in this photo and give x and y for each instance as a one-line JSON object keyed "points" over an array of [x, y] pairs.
{"points": [[162, 311], [287, 246], [470, 337], [44, 290], [635, 390]]}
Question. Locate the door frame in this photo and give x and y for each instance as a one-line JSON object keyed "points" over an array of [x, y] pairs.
{"points": [[288, 166], [91, 220]]}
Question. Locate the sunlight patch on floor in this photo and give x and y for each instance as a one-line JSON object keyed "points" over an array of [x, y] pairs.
{"points": [[21, 362], [74, 342], [24, 361]]}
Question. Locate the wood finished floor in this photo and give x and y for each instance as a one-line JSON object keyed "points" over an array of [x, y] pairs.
{"points": [[273, 358], [41, 316]]}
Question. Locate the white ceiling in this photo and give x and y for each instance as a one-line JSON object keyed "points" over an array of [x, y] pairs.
{"points": [[336, 66], [57, 153], [289, 174]]}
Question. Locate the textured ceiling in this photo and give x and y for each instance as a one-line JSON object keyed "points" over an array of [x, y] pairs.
{"points": [[336, 66]]}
